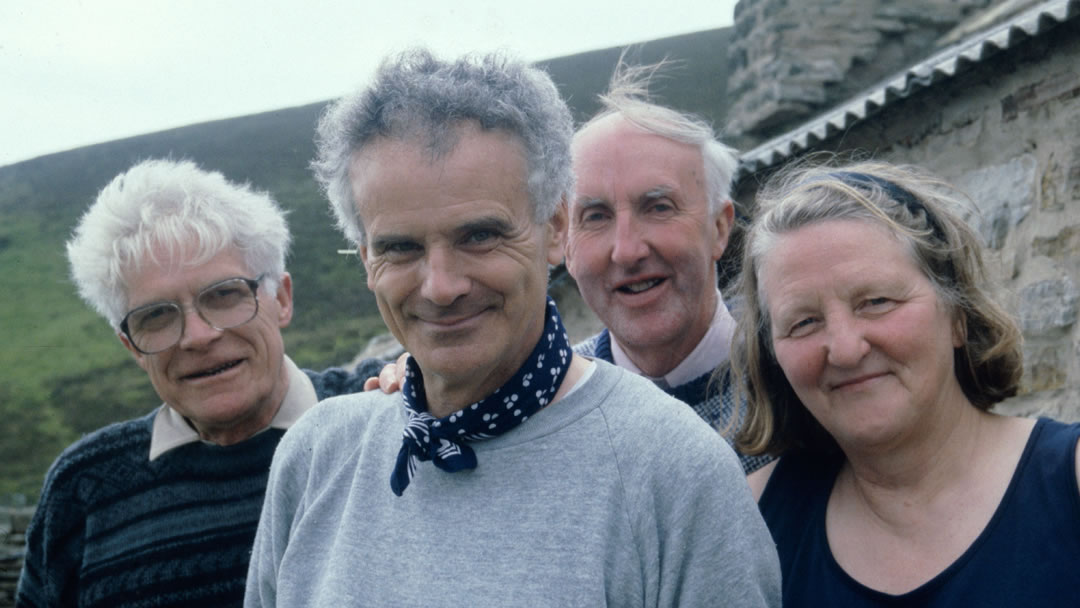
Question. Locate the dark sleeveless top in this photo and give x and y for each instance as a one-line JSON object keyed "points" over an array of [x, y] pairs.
{"points": [[1028, 555]]}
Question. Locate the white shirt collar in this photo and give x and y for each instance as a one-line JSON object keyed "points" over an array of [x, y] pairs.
{"points": [[713, 349], [171, 430]]}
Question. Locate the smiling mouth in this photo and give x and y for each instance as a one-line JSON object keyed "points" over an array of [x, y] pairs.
{"points": [[856, 381], [213, 371], [638, 287], [454, 321]]}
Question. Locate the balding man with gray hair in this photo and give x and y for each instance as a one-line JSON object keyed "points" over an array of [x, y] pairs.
{"points": [[651, 217]]}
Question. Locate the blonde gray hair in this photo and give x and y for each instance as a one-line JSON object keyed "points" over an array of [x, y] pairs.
{"points": [[923, 213]]}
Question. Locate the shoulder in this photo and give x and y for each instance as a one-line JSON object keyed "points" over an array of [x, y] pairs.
{"points": [[808, 475], [685, 494], [760, 478], [335, 381], [327, 440], [126, 440], [635, 401], [1056, 435], [1054, 445], [107, 455], [593, 346], [655, 430], [337, 420], [1055, 451]]}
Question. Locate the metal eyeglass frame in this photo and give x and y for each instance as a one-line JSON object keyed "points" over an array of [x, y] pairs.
{"points": [[252, 284]]}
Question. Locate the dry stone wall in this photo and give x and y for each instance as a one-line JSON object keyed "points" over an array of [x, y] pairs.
{"points": [[13, 522]]}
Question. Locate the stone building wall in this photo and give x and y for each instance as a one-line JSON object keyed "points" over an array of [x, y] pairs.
{"points": [[792, 58], [1007, 131]]}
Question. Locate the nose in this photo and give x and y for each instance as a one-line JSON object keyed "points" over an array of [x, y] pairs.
{"points": [[443, 280], [845, 344], [197, 332], [629, 247]]}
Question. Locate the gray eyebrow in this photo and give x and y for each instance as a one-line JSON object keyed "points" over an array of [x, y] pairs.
{"points": [[589, 202], [492, 224], [661, 191], [655, 193], [380, 242]]}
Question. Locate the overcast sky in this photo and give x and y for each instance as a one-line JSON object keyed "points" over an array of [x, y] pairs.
{"points": [[73, 73]]}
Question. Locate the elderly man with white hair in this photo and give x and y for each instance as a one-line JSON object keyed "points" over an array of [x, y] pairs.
{"points": [[189, 269]]}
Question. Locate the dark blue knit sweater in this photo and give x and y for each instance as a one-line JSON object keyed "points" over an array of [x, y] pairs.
{"points": [[115, 529], [716, 406]]}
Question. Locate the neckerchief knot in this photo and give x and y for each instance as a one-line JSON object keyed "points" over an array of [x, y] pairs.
{"points": [[444, 441]]}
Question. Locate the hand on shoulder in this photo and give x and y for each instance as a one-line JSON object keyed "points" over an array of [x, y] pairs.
{"points": [[390, 378]]}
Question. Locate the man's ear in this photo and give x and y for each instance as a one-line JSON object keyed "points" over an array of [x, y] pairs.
{"points": [[557, 227], [285, 300], [139, 357], [724, 221]]}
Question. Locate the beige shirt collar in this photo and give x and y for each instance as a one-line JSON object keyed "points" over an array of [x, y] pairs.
{"points": [[171, 430], [713, 349]]}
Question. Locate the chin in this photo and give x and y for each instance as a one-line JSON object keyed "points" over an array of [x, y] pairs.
{"points": [[449, 364], [653, 335]]}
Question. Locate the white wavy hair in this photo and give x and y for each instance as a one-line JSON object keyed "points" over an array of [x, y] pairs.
{"points": [[163, 211]]}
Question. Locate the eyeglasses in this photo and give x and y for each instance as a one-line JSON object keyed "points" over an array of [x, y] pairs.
{"points": [[156, 327]]}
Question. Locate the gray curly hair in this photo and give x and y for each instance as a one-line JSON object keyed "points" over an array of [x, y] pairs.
{"points": [[416, 96]]}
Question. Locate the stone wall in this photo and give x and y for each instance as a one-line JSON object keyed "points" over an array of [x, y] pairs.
{"points": [[791, 58], [13, 522], [1007, 131]]}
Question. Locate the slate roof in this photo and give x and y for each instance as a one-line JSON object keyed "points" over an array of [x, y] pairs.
{"points": [[940, 66]]}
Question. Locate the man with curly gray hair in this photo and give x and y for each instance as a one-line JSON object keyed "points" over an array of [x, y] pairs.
{"points": [[189, 269], [553, 480]]}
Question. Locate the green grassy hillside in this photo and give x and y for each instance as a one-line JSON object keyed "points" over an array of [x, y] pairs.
{"points": [[62, 371]]}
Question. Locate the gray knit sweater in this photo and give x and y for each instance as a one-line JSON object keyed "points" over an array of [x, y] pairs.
{"points": [[615, 495]]}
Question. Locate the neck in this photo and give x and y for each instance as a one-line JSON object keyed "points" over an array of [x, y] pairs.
{"points": [[658, 363], [578, 365], [444, 398], [897, 481], [657, 360], [235, 431], [446, 394]]}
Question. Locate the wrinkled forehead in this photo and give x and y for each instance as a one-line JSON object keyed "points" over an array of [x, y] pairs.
{"points": [[615, 159], [170, 265]]}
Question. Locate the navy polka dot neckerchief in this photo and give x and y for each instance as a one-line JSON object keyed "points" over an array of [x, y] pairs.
{"points": [[444, 441]]}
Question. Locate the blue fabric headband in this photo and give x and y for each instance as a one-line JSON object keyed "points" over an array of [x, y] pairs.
{"points": [[895, 192]]}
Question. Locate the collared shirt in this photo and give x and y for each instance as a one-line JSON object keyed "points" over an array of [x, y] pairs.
{"points": [[714, 348], [171, 430]]}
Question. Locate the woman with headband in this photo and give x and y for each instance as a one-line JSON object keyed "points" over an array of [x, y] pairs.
{"points": [[870, 352]]}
